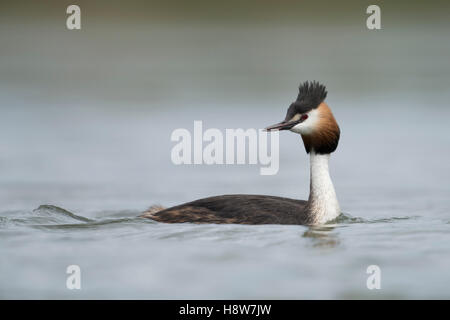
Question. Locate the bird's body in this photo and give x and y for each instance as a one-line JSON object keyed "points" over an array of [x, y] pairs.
{"points": [[236, 208], [308, 116]]}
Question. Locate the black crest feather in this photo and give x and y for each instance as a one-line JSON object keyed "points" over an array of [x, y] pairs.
{"points": [[311, 93], [310, 96]]}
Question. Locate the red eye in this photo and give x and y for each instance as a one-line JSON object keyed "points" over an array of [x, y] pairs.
{"points": [[304, 117]]}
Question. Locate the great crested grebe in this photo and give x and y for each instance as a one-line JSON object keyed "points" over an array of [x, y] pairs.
{"points": [[308, 116]]}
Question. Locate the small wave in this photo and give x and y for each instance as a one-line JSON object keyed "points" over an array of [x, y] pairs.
{"points": [[91, 224], [50, 217], [345, 218], [58, 214], [392, 219], [44, 214], [4, 221]]}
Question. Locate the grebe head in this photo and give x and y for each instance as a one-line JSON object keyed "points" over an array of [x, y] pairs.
{"points": [[310, 117]]}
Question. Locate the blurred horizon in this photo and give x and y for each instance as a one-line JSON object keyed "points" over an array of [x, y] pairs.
{"points": [[199, 52]]}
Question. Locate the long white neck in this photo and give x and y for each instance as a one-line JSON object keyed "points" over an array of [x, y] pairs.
{"points": [[322, 203]]}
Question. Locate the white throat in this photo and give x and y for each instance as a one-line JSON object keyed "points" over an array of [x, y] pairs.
{"points": [[322, 203]]}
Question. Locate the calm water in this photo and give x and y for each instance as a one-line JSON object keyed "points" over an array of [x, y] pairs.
{"points": [[85, 129], [97, 179]]}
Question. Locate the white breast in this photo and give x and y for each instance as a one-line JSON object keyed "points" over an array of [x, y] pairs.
{"points": [[323, 202]]}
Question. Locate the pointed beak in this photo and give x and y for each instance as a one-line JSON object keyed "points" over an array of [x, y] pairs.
{"points": [[283, 125]]}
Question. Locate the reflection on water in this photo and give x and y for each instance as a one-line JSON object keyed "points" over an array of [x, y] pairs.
{"points": [[322, 236]]}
